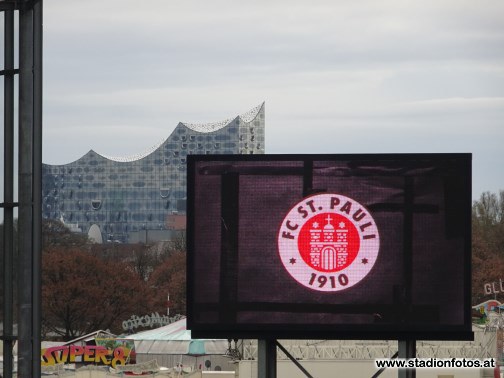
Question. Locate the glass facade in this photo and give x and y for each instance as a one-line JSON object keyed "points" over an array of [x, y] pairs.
{"points": [[126, 195]]}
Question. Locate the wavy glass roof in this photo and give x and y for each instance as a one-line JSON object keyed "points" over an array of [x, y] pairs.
{"points": [[135, 157], [214, 126], [198, 127]]}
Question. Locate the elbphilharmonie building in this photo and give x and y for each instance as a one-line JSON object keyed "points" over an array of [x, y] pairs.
{"points": [[114, 199]]}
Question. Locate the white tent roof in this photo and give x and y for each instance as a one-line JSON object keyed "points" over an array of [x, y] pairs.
{"points": [[175, 338]]}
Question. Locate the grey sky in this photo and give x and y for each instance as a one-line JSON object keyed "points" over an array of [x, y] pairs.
{"points": [[337, 76]]}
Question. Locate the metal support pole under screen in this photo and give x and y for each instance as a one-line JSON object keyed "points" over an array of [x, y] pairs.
{"points": [[407, 349], [266, 359]]}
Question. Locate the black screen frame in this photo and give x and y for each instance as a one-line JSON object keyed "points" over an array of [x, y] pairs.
{"points": [[231, 329]]}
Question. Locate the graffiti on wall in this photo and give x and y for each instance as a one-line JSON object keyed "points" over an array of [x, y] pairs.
{"points": [[149, 321], [109, 352]]}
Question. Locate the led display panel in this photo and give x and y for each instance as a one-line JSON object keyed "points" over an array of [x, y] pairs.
{"points": [[367, 246]]}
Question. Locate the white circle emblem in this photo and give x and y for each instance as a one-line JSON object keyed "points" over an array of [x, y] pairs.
{"points": [[328, 242]]}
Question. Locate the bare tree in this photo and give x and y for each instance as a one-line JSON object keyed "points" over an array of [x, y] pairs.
{"points": [[487, 244]]}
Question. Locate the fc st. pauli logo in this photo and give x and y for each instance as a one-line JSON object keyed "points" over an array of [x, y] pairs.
{"points": [[328, 242]]}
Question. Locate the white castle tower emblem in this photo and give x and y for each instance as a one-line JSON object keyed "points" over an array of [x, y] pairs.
{"points": [[328, 247], [328, 242]]}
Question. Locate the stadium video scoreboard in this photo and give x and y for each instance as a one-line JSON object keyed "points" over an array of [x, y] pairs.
{"points": [[361, 246]]}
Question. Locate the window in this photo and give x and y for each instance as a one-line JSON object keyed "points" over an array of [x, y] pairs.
{"points": [[165, 192], [96, 204]]}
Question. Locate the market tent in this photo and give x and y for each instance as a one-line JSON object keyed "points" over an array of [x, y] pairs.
{"points": [[175, 338]]}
